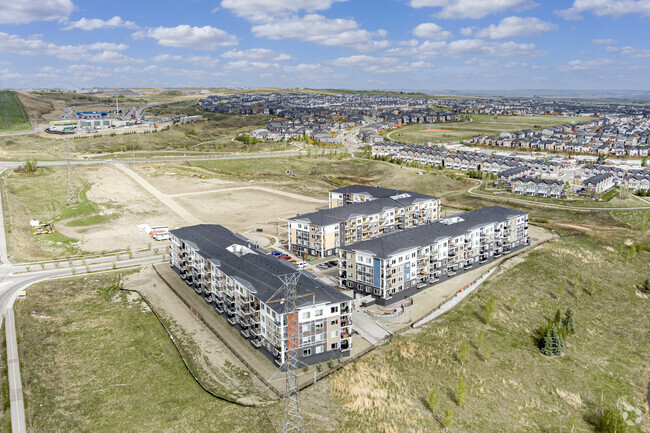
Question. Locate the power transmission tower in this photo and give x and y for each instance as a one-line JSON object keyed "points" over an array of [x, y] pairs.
{"points": [[292, 419], [70, 196]]}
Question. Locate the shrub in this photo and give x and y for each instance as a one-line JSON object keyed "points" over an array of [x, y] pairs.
{"points": [[611, 421], [461, 392], [488, 310], [433, 401]]}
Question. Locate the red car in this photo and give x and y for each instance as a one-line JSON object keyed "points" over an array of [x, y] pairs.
{"points": [[285, 257]]}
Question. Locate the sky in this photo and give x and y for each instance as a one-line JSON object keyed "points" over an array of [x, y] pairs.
{"points": [[353, 44]]}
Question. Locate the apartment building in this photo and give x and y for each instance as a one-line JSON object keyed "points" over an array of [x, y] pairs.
{"points": [[320, 233], [397, 265], [360, 193], [241, 281]]}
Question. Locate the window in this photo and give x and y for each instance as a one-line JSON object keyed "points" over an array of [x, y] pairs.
{"points": [[319, 349], [335, 309], [306, 352], [318, 337], [319, 326], [318, 313], [305, 315], [335, 333], [334, 322], [334, 346]]}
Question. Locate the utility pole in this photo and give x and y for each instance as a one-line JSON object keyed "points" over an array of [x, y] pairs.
{"points": [[292, 419], [70, 196]]}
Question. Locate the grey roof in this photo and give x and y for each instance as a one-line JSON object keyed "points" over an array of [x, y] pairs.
{"points": [[259, 270], [538, 180], [379, 192], [340, 214], [392, 243], [597, 178]]}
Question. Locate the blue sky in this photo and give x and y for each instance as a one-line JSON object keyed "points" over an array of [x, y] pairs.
{"points": [[370, 44]]}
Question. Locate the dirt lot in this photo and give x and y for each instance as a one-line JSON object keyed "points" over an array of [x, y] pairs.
{"points": [[110, 186], [240, 210]]}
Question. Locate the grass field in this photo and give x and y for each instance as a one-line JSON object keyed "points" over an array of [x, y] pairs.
{"points": [[481, 124], [12, 114], [514, 388], [42, 196], [312, 174], [5, 414], [110, 367]]}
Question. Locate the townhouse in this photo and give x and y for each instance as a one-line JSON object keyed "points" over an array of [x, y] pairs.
{"points": [[538, 187], [397, 265], [242, 281], [598, 184], [359, 213]]}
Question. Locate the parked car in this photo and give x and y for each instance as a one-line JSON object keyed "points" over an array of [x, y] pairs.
{"points": [[332, 263], [285, 257], [276, 253]]}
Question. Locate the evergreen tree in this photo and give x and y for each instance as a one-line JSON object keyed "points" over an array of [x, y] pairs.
{"points": [[433, 400], [558, 318], [557, 342], [547, 344], [567, 322], [462, 353]]}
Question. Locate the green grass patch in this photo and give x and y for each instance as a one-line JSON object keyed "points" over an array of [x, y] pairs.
{"points": [[5, 402], [42, 196], [610, 194], [511, 387], [12, 113], [92, 220], [480, 124], [111, 367]]}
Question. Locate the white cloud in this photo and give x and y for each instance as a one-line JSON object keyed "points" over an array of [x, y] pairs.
{"points": [[199, 38], [37, 47], [105, 46], [204, 61], [605, 8], [251, 66], [379, 65], [629, 52], [111, 57], [585, 65], [256, 54], [472, 8], [318, 29], [467, 31], [167, 58], [431, 31], [607, 41], [468, 47], [135, 70], [511, 27], [259, 9], [493, 64], [96, 23], [26, 11]]}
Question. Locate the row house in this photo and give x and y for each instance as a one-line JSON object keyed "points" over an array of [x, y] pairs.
{"points": [[395, 266], [638, 181], [241, 282], [538, 187], [506, 177], [321, 233], [599, 184]]}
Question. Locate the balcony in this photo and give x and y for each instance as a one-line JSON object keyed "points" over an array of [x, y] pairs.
{"points": [[345, 344], [219, 307], [232, 320], [245, 332], [257, 342], [231, 310]]}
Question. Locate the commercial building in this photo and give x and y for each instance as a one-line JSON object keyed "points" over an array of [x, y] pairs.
{"points": [[241, 281], [359, 214], [397, 265]]}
